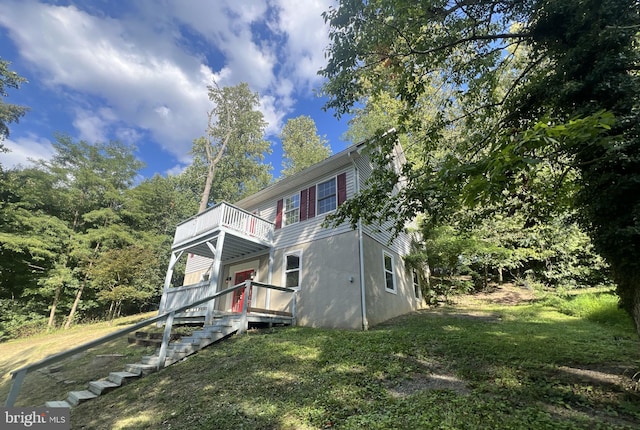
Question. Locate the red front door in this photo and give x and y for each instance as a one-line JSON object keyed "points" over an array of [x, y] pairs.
{"points": [[238, 295]]}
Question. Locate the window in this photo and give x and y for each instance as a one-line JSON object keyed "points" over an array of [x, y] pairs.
{"points": [[416, 284], [292, 209], [327, 196], [292, 267], [389, 276]]}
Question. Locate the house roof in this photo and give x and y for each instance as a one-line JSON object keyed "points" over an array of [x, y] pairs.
{"points": [[297, 180], [309, 174]]}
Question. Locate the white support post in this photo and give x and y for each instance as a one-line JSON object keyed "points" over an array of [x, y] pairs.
{"points": [[294, 304], [267, 299], [215, 273], [167, 282], [166, 337], [244, 320]]}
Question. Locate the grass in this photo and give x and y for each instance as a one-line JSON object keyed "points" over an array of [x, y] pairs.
{"points": [[72, 373], [544, 364]]}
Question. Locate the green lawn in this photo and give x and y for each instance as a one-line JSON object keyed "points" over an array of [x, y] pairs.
{"points": [[72, 373], [474, 366], [556, 363]]}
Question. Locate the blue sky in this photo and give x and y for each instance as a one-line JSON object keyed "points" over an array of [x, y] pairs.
{"points": [[137, 71]]}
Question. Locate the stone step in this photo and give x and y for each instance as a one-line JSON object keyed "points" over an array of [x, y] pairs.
{"points": [[74, 398], [102, 386], [144, 338], [57, 404], [182, 347], [150, 359], [140, 369], [207, 331], [175, 356], [192, 340], [203, 341], [144, 342], [122, 377], [176, 351]]}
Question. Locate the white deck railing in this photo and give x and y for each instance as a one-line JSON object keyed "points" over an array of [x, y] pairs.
{"points": [[224, 215], [178, 297]]}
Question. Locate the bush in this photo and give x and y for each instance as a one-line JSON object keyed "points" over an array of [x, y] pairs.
{"points": [[602, 308], [16, 321]]}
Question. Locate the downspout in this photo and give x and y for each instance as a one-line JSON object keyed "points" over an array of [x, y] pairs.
{"points": [[363, 304]]}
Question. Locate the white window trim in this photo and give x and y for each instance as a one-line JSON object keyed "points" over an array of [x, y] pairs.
{"points": [[284, 210], [297, 252], [393, 273], [317, 202]]}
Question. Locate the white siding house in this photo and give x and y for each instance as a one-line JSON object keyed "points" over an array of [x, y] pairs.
{"points": [[344, 278]]}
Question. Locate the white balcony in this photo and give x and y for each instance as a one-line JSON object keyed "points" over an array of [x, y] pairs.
{"points": [[228, 217]]}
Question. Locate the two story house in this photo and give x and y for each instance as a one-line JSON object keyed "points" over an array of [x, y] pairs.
{"points": [[344, 278]]}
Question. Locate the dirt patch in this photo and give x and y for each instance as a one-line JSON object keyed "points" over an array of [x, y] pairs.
{"points": [[505, 294], [420, 382], [433, 375], [623, 377], [478, 316]]}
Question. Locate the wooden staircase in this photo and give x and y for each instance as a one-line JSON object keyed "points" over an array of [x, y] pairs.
{"points": [[221, 328]]}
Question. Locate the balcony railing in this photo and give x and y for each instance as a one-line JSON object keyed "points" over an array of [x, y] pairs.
{"points": [[224, 215]]}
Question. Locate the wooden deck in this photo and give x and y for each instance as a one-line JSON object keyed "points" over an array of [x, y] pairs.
{"points": [[257, 317]]}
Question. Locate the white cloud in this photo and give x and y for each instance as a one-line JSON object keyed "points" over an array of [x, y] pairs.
{"points": [[24, 150], [91, 128], [143, 75], [272, 115], [176, 170], [128, 135], [307, 37], [98, 57]]}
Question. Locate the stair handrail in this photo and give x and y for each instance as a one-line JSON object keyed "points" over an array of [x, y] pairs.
{"points": [[18, 375]]}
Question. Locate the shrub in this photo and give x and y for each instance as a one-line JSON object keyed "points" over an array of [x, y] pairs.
{"points": [[16, 321]]}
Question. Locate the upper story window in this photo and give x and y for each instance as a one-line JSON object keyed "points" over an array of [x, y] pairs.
{"points": [[292, 209], [309, 202], [327, 196], [389, 273]]}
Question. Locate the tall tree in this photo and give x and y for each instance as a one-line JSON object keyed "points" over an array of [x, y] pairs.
{"points": [[126, 275], [92, 181], [302, 145], [32, 237], [571, 101], [76, 237], [233, 147], [8, 112]]}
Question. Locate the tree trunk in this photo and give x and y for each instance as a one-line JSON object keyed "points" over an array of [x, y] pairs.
{"points": [[207, 187], [56, 297], [212, 159], [500, 278], [110, 313], [628, 290], [72, 312], [54, 306], [79, 293], [427, 275], [485, 284], [636, 311]]}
